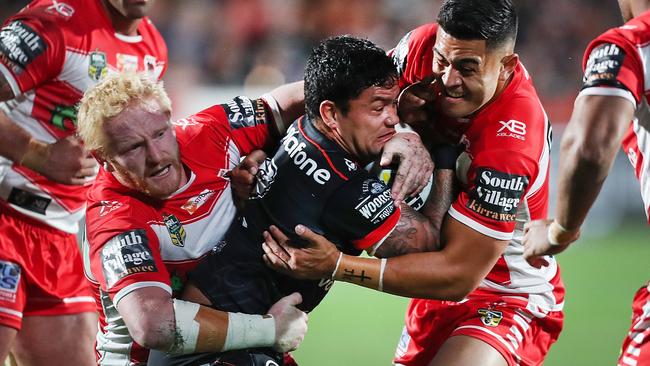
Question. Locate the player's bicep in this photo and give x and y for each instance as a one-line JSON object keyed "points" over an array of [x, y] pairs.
{"points": [[6, 92]]}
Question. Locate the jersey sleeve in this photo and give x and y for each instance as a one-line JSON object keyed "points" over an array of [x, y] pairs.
{"points": [[250, 123], [498, 181], [31, 51], [123, 249], [362, 212], [413, 55], [612, 67]]}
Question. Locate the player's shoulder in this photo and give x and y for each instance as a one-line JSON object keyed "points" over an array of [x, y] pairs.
{"points": [[626, 38], [68, 14]]}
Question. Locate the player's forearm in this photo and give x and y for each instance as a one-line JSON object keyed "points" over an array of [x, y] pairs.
{"points": [[440, 199], [291, 101], [421, 275], [14, 140], [588, 149]]}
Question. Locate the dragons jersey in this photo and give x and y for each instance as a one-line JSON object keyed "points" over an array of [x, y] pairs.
{"points": [[312, 181], [505, 166], [616, 64], [134, 241], [50, 53]]}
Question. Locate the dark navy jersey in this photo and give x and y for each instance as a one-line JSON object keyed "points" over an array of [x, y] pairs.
{"points": [[312, 181]]}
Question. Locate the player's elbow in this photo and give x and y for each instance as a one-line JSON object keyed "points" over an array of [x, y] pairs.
{"points": [[461, 285], [150, 334]]}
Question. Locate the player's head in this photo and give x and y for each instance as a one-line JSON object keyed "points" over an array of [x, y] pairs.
{"points": [[633, 8], [351, 91], [474, 52], [130, 9], [125, 122]]}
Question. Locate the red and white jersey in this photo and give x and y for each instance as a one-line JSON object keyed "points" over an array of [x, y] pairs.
{"points": [[50, 53], [505, 167], [616, 64], [134, 241]]}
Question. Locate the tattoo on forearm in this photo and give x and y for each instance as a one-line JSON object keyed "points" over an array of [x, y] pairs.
{"points": [[350, 276]]}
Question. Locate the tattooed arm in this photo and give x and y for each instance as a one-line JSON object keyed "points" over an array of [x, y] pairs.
{"points": [[420, 232]]}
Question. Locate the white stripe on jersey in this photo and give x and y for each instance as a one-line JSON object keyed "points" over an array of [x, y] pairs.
{"points": [[75, 61], [644, 55], [642, 134], [499, 235], [544, 159], [138, 285]]}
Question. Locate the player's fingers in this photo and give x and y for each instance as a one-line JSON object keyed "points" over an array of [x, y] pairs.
{"points": [[307, 234], [88, 163], [275, 248], [293, 299], [275, 264], [86, 172], [386, 158], [280, 238], [76, 181]]}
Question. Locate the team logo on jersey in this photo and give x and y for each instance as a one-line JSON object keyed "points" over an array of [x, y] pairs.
{"points": [[603, 66], [374, 186], [175, 229], [491, 318], [62, 9], [19, 46], [195, 202], [265, 178], [185, 123], [512, 128], [64, 117], [496, 195], [9, 280], [352, 166], [107, 207], [126, 254], [97, 65]]}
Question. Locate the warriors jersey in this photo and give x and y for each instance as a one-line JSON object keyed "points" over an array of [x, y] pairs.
{"points": [[134, 241], [616, 64], [50, 53], [505, 167], [312, 181]]}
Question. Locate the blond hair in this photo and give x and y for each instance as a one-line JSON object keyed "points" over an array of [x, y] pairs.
{"points": [[111, 97]]}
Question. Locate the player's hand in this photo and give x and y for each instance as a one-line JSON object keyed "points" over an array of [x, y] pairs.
{"points": [[65, 161], [314, 261], [290, 323], [415, 165], [243, 177], [536, 244], [414, 102]]}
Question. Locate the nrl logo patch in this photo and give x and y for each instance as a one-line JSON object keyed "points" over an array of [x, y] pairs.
{"points": [[491, 318], [97, 66], [175, 229]]}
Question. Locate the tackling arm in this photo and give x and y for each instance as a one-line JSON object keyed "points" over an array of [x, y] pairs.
{"points": [[157, 321]]}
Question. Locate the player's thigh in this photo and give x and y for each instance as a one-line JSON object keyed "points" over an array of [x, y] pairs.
{"points": [[57, 340], [467, 351], [7, 336]]}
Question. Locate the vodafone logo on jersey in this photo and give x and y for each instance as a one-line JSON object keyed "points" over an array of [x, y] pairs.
{"points": [[512, 128], [294, 148]]}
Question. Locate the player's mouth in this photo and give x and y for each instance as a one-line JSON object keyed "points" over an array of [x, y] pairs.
{"points": [[385, 137], [163, 171], [453, 95]]}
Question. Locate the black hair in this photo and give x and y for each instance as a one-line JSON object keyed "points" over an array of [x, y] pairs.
{"points": [[341, 68], [494, 21]]}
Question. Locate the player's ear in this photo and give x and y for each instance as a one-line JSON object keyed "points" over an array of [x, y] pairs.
{"points": [[508, 64], [329, 114]]}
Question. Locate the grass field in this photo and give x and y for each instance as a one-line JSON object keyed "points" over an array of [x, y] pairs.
{"points": [[355, 326]]}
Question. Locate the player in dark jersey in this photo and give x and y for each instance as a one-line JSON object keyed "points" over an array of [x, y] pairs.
{"points": [[317, 177]]}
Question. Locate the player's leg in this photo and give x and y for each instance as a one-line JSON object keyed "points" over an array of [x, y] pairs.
{"points": [[467, 351], [59, 320], [57, 340], [636, 346]]}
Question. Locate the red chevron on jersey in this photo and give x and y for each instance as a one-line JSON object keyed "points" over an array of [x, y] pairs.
{"points": [[134, 241], [50, 53], [507, 148], [616, 64]]}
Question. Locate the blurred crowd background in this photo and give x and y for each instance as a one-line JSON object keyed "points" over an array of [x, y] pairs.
{"points": [[265, 42], [219, 48]]}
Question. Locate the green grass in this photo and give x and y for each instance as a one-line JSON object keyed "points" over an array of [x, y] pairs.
{"points": [[355, 326]]}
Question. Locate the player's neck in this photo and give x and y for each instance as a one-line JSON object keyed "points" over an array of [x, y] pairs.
{"points": [[121, 24]]}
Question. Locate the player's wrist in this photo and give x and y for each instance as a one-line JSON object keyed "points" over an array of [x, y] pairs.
{"points": [[558, 235], [249, 331], [36, 155]]}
